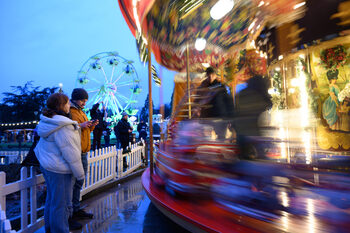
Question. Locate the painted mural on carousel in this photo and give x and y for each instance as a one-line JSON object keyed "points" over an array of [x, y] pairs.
{"points": [[331, 74]]}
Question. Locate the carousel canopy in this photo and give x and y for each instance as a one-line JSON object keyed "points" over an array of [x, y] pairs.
{"points": [[211, 29]]}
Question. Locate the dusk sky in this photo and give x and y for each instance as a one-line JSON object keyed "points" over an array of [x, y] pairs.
{"points": [[48, 41]]}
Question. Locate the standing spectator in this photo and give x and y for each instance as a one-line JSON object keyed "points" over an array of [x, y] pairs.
{"points": [[142, 129], [115, 129], [58, 152], [97, 114], [106, 136], [124, 130], [78, 101]]}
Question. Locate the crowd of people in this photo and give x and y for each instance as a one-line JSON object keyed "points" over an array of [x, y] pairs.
{"points": [[64, 131]]}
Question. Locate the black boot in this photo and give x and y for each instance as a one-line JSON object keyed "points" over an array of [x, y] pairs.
{"points": [[81, 214], [74, 225]]}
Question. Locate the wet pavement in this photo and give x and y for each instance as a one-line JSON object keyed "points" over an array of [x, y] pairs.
{"points": [[125, 208]]}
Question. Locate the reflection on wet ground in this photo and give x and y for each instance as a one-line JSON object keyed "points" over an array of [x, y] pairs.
{"points": [[126, 208]]}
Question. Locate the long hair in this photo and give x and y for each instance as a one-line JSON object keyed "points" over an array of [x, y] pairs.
{"points": [[55, 105]]}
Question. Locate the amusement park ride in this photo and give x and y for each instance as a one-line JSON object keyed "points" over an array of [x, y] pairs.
{"points": [[111, 79], [204, 182]]}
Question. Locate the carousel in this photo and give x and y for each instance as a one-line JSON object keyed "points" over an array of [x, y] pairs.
{"points": [[293, 175]]}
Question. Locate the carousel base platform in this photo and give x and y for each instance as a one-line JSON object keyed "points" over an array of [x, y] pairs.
{"points": [[198, 214], [194, 215]]}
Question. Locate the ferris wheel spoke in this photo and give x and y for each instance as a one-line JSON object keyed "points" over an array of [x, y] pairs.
{"points": [[93, 79], [91, 90], [111, 78], [95, 99], [121, 75], [125, 84], [118, 103], [115, 104], [123, 97], [104, 74]]}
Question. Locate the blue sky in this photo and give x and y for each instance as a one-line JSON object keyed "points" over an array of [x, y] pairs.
{"points": [[47, 41]]}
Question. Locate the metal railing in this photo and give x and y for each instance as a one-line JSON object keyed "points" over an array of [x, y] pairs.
{"points": [[103, 165]]}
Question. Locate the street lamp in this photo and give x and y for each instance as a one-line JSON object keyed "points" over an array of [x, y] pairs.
{"points": [[60, 90]]}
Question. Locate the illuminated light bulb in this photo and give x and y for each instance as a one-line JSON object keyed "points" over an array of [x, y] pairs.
{"points": [[302, 56], [206, 65], [271, 91], [294, 82], [299, 5], [200, 44], [291, 90], [261, 3], [60, 85], [280, 57], [278, 69], [221, 8]]}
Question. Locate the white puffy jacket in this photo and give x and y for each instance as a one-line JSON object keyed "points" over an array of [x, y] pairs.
{"points": [[59, 148]]}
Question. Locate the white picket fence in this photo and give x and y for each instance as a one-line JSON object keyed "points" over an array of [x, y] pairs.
{"points": [[103, 165]]}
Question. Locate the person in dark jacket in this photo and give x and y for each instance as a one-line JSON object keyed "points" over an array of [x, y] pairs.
{"points": [[251, 102], [219, 103], [142, 129], [124, 130], [97, 114], [215, 102]]}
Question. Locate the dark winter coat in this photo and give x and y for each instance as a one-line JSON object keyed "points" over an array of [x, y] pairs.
{"points": [[142, 129], [122, 128], [96, 114], [218, 103]]}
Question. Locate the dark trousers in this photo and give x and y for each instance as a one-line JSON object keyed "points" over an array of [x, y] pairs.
{"points": [[96, 141], [78, 184]]}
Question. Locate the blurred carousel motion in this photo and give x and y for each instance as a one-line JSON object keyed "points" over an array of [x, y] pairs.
{"points": [[279, 159]]}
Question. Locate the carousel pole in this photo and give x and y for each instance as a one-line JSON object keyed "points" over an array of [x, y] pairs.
{"points": [[150, 109], [161, 107], [188, 80]]}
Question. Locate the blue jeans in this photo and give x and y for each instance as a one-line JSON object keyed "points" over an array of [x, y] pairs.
{"points": [[58, 198], [78, 185]]}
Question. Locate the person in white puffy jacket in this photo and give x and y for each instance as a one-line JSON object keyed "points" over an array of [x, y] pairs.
{"points": [[59, 155]]}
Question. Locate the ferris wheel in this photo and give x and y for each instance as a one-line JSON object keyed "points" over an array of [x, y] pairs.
{"points": [[111, 79]]}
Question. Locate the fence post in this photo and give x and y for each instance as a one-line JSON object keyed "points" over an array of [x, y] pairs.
{"points": [[2, 196], [2, 221], [33, 213], [24, 200]]}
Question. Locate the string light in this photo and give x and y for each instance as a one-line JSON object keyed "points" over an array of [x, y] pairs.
{"points": [[19, 123]]}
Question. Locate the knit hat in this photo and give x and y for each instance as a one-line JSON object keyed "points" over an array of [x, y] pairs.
{"points": [[79, 94]]}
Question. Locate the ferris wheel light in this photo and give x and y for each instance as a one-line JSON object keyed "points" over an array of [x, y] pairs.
{"points": [[221, 8], [200, 44]]}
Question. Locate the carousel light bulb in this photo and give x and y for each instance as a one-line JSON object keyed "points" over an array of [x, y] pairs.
{"points": [[278, 69], [261, 3], [200, 44], [294, 82], [271, 91], [280, 57], [221, 8], [206, 65]]}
